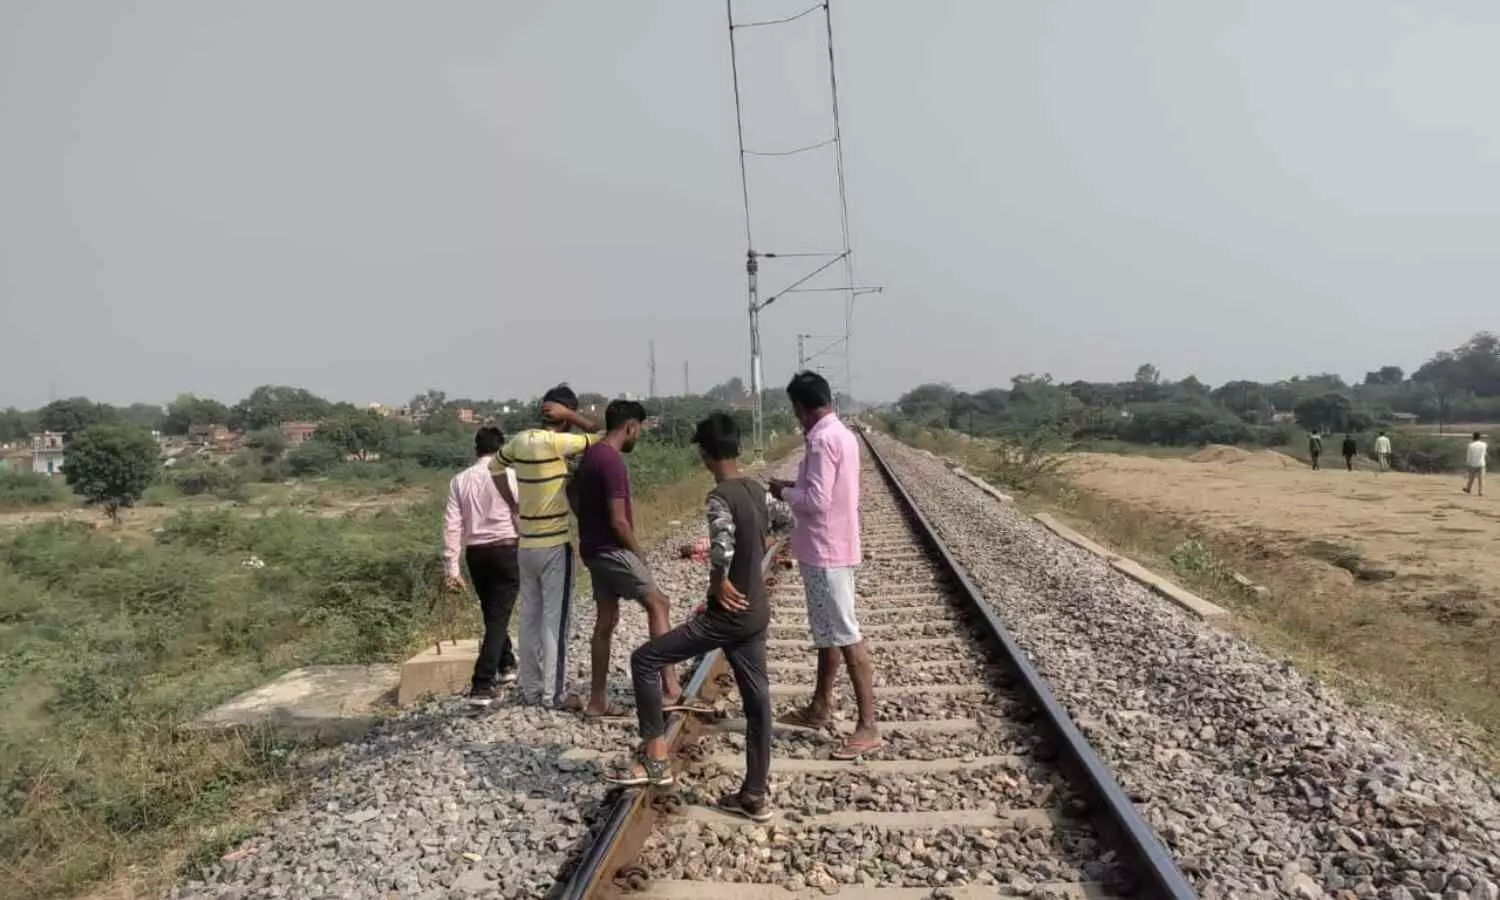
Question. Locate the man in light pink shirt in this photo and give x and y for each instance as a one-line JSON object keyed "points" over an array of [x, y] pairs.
{"points": [[825, 500], [481, 524]]}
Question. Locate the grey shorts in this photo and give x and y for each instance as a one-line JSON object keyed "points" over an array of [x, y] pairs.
{"points": [[618, 574], [830, 606]]}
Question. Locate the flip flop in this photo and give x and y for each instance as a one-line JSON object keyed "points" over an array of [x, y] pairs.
{"points": [[799, 718], [684, 707], [655, 772], [611, 711], [851, 750]]}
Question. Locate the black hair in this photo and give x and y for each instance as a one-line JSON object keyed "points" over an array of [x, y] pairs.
{"points": [[488, 441], [562, 394], [619, 413], [1478, 436], [809, 390], [719, 436]]}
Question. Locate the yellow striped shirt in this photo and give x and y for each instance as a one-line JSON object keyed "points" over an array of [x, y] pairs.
{"points": [[540, 459]]}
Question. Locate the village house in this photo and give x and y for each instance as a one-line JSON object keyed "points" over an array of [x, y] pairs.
{"points": [[47, 453], [15, 458], [465, 415], [208, 435], [298, 432]]}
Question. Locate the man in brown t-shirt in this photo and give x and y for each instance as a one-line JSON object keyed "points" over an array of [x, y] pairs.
{"points": [[607, 543], [735, 620]]}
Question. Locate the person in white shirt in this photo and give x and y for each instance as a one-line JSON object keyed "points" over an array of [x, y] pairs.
{"points": [[1477, 456], [1383, 451]]}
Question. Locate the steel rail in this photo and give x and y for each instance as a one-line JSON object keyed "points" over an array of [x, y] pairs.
{"points": [[629, 819], [1115, 814]]}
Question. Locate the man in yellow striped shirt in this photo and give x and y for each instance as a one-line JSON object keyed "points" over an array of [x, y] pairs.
{"points": [[544, 556]]}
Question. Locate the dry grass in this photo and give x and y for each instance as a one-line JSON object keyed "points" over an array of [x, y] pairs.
{"points": [[1387, 586]]}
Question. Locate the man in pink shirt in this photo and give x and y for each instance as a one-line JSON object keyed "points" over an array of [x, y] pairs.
{"points": [[481, 524], [825, 541]]}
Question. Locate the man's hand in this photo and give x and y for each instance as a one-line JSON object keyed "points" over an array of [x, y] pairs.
{"points": [[453, 584], [730, 598], [556, 412]]}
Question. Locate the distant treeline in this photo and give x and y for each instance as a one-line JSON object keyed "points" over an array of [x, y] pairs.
{"points": [[1459, 385]]}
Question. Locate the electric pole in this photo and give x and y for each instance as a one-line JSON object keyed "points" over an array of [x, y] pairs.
{"points": [[651, 368], [686, 390]]}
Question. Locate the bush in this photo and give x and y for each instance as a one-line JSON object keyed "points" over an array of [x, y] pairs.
{"points": [[1427, 453], [314, 458], [219, 481], [20, 489]]}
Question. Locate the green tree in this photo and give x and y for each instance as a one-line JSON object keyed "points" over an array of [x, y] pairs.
{"points": [[16, 425], [75, 414], [273, 404], [268, 444], [357, 433], [112, 465], [189, 410]]}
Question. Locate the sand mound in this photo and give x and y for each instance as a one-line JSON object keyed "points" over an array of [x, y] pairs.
{"points": [[1221, 453]]}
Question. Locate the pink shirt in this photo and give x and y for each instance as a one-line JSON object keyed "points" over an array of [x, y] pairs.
{"points": [[476, 512], [826, 497]]}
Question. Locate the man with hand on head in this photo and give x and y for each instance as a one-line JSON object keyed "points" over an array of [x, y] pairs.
{"points": [[607, 543], [539, 458]]}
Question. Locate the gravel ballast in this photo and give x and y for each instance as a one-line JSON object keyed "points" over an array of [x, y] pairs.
{"points": [[1262, 782], [441, 802]]}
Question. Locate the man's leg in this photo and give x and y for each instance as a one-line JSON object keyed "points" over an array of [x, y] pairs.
{"points": [[1469, 482], [606, 617], [557, 601], [856, 652], [748, 660], [485, 570], [693, 638], [510, 585], [529, 564], [820, 627]]}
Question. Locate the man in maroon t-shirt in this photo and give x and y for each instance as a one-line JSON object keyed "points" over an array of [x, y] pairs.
{"points": [[606, 540]]}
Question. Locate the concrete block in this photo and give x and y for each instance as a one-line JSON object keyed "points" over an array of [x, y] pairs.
{"points": [[1074, 537], [315, 704], [1183, 598], [438, 671]]}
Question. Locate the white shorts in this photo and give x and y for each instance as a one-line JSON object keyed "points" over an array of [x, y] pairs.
{"points": [[830, 606]]}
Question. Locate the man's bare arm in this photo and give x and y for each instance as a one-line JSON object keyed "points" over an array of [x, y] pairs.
{"points": [[619, 520]]}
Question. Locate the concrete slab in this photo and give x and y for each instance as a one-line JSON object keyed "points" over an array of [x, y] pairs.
{"points": [[315, 704], [438, 671]]}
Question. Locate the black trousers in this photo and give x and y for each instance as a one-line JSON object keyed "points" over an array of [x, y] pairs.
{"points": [[497, 581], [1314, 459], [1349, 461], [743, 640]]}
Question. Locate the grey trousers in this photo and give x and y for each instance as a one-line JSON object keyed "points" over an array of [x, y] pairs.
{"points": [[546, 603]]}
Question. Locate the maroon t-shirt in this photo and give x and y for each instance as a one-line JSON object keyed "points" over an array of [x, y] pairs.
{"points": [[601, 477]]}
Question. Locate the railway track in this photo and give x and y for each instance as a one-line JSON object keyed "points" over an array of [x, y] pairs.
{"points": [[984, 788]]}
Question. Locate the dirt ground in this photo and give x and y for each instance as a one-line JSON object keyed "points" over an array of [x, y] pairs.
{"points": [[1388, 576]]}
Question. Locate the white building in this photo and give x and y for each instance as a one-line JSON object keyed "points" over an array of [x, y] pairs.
{"points": [[47, 453]]}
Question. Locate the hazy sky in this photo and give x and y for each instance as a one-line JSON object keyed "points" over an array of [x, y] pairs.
{"points": [[371, 197]]}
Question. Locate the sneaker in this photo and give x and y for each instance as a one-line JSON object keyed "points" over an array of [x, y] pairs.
{"points": [[748, 806], [483, 696], [507, 677]]}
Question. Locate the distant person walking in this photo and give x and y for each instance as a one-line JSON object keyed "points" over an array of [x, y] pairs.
{"points": [[607, 543], [735, 619], [539, 457], [1349, 449], [1383, 451], [825, 541], [1477, 457], [1314, 448], [480, 524]]}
